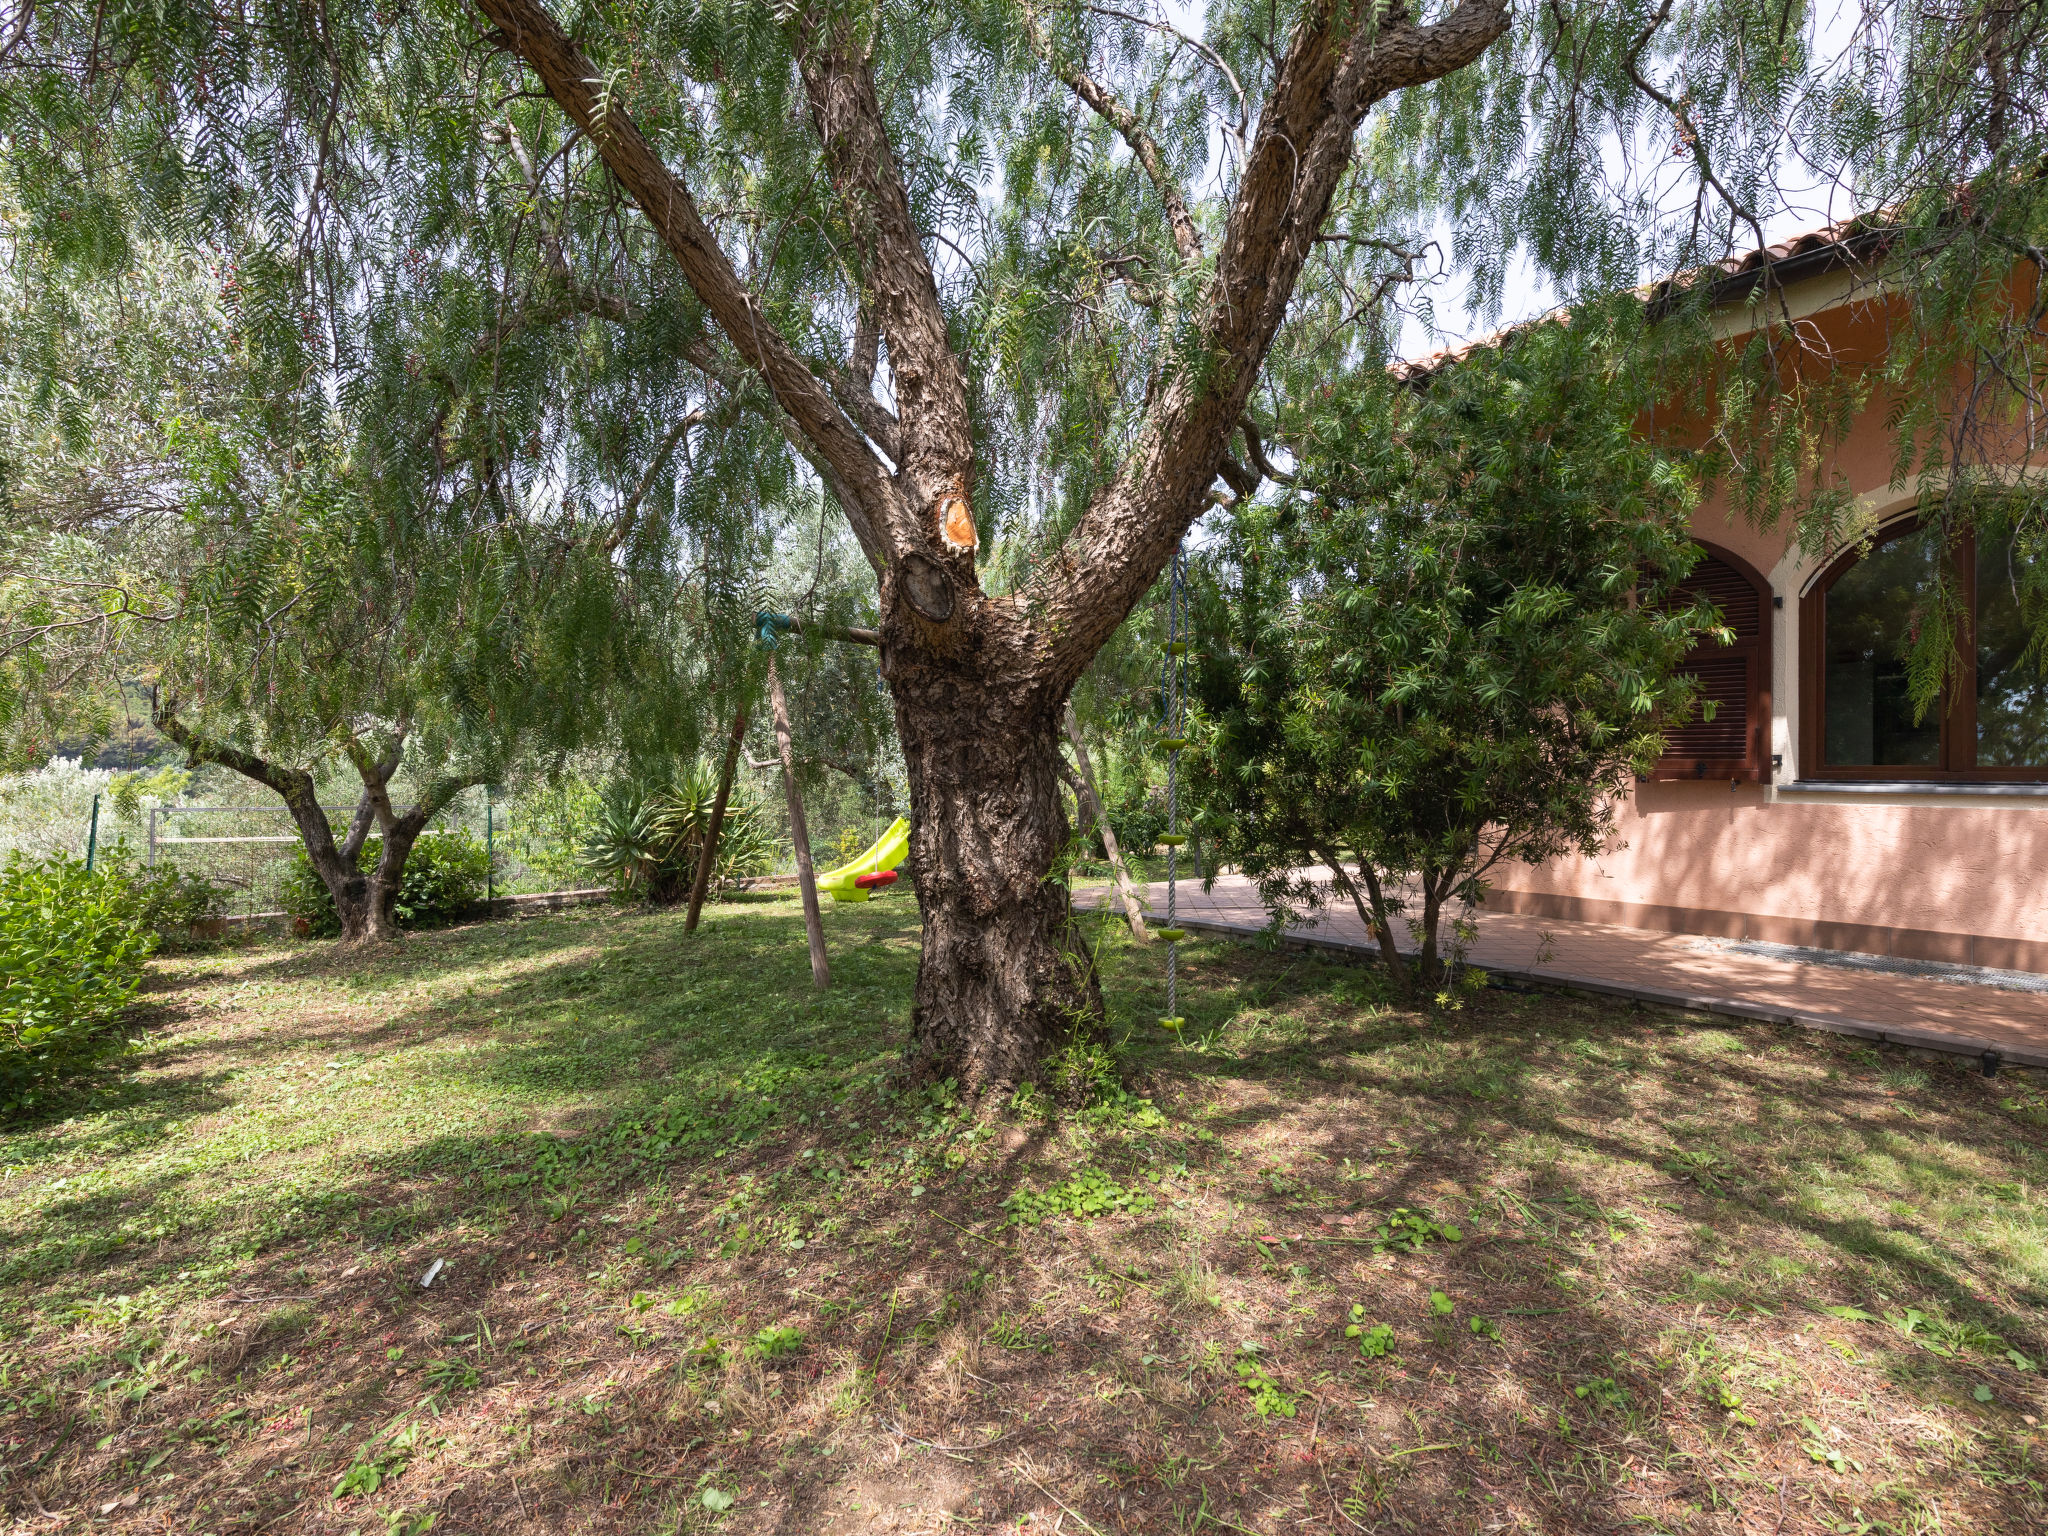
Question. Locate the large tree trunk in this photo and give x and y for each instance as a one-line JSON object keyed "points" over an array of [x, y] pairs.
{"points": [[376, 919], [1003, 978]]}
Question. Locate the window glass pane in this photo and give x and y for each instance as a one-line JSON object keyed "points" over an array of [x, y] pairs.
{"points": [[1869, 616], [2012, 691]]}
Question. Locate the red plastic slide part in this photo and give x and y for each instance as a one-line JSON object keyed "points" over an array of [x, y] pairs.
{"points": [[880, 877]]}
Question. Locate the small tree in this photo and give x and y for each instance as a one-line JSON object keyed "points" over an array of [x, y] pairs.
{"points": [[303, 603], [1452, 645]]}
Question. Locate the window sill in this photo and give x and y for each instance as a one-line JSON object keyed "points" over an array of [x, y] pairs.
{"points": [[1893, 788]]}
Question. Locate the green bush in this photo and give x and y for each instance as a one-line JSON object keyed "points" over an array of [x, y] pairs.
{"points": [[1139, 818], [446, 875], [644, 839], [172, 904], [72, 944]]}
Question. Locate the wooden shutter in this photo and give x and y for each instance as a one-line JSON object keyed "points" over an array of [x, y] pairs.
{"points": [[1736, 678]]}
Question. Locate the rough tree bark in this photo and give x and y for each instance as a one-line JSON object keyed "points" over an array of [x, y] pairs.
{"points": [[979, 681]]}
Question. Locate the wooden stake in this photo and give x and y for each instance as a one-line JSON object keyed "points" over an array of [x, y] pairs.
{"points": [[806, 879], [709, 851], [1127, 891]]}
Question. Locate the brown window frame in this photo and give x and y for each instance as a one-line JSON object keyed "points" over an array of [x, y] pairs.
{"points": [[1754, 767], [1958, 706]]}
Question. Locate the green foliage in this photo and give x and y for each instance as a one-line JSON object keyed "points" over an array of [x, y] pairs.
{"points": [[72, 944], [1452, 647], [446, 875], [1602, 1392], [1269, 1398], [1139, 816], [548, 826], [644, 837], [379, 1461], [774, 1343], [1375, 1340], [173, 905], [1409, 1231], [1088, 1193]]}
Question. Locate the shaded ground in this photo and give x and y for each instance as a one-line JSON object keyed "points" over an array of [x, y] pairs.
{"points": [[703, 1271]]}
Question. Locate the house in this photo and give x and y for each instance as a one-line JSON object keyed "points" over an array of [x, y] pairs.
{"points": [[1814, 809]]}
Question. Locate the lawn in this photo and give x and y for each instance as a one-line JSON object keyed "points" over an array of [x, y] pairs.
{"points": [[705, 1261]]}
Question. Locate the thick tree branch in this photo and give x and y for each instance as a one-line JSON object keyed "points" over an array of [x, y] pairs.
{"points": [[294, 786], [1105, 104], [936, 438], [1341, 60], [1255, 448], [872, 503], [629, 512], [375, 773], [875, 418]]}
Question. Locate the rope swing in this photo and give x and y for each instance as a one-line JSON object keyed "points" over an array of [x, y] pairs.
{"points": [[1173, 737]]}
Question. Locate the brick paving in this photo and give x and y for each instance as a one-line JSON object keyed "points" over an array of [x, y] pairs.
{"points": [[1676, 970]]}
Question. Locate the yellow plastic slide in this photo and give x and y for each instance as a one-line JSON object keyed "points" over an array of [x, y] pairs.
{"points": [[889, 850]]}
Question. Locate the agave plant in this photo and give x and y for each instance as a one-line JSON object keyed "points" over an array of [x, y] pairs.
{"points": [[645, 838], [623, 848]]}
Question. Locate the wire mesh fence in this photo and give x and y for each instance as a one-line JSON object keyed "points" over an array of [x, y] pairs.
{"points": [[536, 836]]}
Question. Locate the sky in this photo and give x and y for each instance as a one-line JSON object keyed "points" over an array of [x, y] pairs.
{"points": [[1806, 202]]}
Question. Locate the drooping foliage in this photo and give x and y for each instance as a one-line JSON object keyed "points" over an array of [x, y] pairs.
{"points": [[1451, 648], [1031, 277], [387, 207]]}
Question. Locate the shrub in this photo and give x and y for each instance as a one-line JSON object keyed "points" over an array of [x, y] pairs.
{"points": [[72, 944], [548, 825], [445, 876], [1139, 818], [644, 839], [171, 904]]}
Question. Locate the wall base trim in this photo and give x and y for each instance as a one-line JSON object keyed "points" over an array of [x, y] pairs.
{"points": [[1808, 933]]}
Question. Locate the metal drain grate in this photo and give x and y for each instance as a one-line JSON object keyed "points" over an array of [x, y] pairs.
{"points": [[1848, 960]]}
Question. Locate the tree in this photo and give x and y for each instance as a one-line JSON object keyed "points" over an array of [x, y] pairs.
{"points": [[980, 678], [980, 271], [293, 613], [1451, 646]]}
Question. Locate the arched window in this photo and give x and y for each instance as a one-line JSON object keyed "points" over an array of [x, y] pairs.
{"points": [[1736, 678], [1858, 622]]}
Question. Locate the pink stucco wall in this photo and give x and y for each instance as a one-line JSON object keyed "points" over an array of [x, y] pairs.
{"points": [[1956, 876], [1903, 871]]}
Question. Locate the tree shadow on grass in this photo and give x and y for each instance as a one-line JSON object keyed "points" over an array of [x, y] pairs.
{"points": [[1103, 1358]]}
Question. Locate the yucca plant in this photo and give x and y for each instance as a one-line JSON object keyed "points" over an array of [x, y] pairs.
{"points": [[645, 838], [682, 811]]}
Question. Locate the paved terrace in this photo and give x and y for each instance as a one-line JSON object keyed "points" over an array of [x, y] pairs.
{"points": [[1961, 1013]]}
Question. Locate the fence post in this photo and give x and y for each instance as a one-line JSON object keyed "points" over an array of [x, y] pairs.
{"points": [[92, 836], [152, 834], [490, 866]]}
